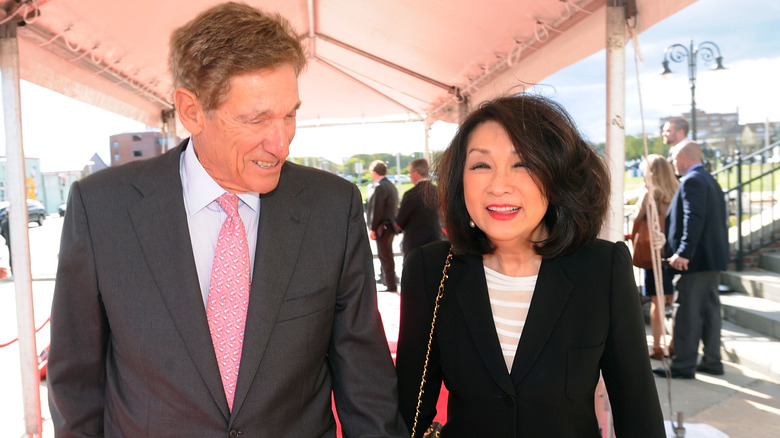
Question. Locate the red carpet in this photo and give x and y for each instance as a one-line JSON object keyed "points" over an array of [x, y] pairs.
{"points": [[389, 307]]}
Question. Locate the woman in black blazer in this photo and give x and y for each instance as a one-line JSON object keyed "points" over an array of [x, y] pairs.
{"points": [[535, 307]]}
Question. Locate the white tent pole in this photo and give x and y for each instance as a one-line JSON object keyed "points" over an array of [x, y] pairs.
{"points": [[17, 224], [427, 133], [616, 145], [616, 109]]}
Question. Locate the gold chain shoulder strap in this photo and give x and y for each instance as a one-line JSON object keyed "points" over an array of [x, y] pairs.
{"points": [[430, 338]]}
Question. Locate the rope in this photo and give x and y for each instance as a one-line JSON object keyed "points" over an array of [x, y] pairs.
{"points": [[657, 238], [36, 331]]}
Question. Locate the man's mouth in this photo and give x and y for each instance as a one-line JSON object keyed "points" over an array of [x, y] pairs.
{"points": [[266, 165]]}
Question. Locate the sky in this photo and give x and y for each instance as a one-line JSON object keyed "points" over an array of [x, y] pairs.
{"points": [[746, 32], [65, 133]]}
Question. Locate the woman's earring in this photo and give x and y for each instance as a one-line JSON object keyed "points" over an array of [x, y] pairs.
{"points": [[472, 224]]}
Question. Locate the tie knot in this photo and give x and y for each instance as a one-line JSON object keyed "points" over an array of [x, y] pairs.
{"points": [[229, 203]]}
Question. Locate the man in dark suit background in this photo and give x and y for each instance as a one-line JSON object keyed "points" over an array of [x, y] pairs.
{"points": [[418, 216], [697, 247], [380, 211], [132, 353]]}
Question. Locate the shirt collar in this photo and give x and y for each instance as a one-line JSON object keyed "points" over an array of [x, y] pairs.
{"points": [[200, 189], [693, 167], [682, 142]]}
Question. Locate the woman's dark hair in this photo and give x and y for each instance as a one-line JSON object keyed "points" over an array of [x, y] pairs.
{"points": [[568, 171]]}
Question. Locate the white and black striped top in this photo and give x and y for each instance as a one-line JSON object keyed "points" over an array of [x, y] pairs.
{"points": [[510, 298]]}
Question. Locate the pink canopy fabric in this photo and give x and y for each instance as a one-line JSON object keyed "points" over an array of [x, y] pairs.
{"points": [[412, 58]]}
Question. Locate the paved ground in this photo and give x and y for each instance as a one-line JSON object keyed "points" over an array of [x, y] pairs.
{"points": [[744, 402]]}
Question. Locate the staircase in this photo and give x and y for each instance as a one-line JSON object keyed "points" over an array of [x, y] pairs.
{"points": [[751, 298]]}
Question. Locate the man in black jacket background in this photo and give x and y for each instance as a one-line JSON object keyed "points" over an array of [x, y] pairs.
{"points": [[418, 216], [381, 208]]}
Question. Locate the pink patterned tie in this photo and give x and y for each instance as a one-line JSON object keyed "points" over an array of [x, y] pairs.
{"points": [[229, 294]]}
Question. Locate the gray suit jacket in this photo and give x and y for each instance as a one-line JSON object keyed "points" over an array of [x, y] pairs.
{"points": [[131, 354]]}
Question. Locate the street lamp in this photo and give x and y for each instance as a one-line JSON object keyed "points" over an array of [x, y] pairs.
{"points": [[709, 51]]}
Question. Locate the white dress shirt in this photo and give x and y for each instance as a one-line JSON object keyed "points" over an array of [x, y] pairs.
{"points": [[205, 216]]}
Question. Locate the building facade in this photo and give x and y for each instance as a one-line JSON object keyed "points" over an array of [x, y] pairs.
{"points": [[724, 135], [136, 146], [33, 179]]}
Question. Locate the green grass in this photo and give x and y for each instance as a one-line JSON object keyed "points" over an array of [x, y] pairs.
{"points": [[765, 184], [635, 182], [725, 179]]}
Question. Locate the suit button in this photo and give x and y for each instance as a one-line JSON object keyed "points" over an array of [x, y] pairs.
{"points": [[509, 399], [234, 433]]}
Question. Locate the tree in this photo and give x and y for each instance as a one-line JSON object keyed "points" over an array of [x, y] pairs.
{"points": [[635, 148]]}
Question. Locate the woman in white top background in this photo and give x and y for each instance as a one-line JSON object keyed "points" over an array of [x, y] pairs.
{"points": [[535, 307]]}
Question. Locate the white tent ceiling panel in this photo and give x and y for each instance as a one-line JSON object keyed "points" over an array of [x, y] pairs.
{"points": [[408, 56], [583, 39], [40, 67]]}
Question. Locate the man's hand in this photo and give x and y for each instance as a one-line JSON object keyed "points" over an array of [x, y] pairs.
{"points": [[679, 263], [372, 234]]}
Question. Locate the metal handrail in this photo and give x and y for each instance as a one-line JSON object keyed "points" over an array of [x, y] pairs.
{"points": [[751, 177]]}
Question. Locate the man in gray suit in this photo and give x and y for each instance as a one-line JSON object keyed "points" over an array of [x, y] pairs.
{"points": [[131, 350]]}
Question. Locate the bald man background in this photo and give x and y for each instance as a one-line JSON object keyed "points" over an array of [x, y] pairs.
{"points": [[697, 248]]}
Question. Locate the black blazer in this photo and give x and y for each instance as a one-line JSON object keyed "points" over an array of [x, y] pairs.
{"points": [[382, 206], [418, 216], [696, 226], [584, 318]]}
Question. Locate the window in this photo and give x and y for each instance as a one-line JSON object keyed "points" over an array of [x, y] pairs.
{"points": [[116, 158], [136, 137], [116, 145], [138, 153]]}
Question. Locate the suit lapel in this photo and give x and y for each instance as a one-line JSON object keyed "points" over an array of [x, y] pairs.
{"points": [[160, 222], [283, 219], [550, 296], [467, 285]]}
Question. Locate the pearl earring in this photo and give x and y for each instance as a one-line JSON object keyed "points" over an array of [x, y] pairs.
{"points": [[472, 224]]}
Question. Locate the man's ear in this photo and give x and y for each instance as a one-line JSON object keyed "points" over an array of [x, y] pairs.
{"points": [[190, 111]]}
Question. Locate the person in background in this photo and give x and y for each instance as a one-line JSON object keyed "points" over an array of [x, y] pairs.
{"points": [[6, 233], [664, 186], [418, 216], [381, 208], [674, 134], [219, 290], [697, 248], [535, 307]]}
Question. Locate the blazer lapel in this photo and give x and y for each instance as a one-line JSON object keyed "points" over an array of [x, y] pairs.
{"points": [[283, 219], [468, 286], [550, 296], [160, 222]]}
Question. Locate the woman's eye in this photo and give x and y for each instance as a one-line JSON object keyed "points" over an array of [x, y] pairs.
{"points": [[520, 164], [479, 166]]}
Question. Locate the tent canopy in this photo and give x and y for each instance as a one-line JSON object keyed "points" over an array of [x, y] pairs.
{"points": [[414, 58]]}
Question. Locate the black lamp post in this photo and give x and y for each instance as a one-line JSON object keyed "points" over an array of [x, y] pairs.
{"points": [[709, 51]]}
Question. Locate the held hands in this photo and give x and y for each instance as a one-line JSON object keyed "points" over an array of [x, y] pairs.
{"points": [[372, 234]]}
